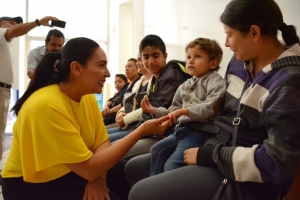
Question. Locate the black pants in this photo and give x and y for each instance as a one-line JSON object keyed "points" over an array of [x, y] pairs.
{"points": [[110, 119], [70, 186], [190, 182], [117, 182]]}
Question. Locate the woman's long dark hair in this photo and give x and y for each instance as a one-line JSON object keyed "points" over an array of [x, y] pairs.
{"points": [[55, 67], [242, 14]]}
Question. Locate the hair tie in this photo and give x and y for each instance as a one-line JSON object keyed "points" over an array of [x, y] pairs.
{"points": [[282, 27], [54, 67]]}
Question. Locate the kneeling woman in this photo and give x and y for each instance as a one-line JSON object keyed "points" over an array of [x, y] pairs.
{"points": [[60, 148]]}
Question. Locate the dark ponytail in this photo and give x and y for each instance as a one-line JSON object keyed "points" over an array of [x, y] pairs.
{"points": [[44, 75], [55, 67], [266, 14], [289, 34]]}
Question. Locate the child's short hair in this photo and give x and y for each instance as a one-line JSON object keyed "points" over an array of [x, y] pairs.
{"points": [[122, 76], [211, 48], [152, 40]]}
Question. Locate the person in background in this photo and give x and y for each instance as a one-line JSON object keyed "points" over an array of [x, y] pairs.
{"points": [[126, 121], [195, 105], [10, 28], [120, 81], [64, 152], [114, 104], [55, 40], [268, 153]]}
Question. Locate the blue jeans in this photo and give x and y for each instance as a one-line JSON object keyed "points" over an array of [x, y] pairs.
{"points": [[117, 133], [167, 154]]}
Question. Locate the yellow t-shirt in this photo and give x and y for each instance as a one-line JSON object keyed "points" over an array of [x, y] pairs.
{"points": [[50, 130]]}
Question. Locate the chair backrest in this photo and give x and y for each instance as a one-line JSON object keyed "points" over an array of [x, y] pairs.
{"points": [[294, 192]]}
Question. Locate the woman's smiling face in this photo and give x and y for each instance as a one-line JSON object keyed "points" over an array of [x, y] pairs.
{"points": [[240, 44]]}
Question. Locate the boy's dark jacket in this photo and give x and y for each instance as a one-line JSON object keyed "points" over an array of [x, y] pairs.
{"points": [[163, 89]]}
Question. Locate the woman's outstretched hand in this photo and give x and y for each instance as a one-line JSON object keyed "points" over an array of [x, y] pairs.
{"points": [[155, 126]]}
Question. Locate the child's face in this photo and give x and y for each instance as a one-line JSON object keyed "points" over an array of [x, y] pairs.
{"points": [[119, 83], [198, 63], [154, 60]]}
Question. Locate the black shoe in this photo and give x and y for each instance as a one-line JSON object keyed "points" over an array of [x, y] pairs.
{"points": [[0, 180]]}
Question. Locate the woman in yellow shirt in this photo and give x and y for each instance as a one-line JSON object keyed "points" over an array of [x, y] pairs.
{"points": [[60, 148]]}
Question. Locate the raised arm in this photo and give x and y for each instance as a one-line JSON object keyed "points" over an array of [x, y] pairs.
{"points": [[22, 29]]}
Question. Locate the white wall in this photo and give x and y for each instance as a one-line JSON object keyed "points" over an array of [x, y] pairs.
{"points": [[18, 51], [178, 22], [125, 35], [138, 24], [120, 40]]}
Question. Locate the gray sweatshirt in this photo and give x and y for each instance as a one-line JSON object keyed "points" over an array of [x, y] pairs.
{"points": [[198, 95]]}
